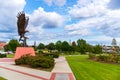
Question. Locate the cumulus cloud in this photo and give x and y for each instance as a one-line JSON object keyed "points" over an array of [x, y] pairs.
{"points": [[9, 10], [88, 8], [95, 14], [100, 39], [110, 24], [44, 19], [56, 2], [40, 20], [80, 28]]}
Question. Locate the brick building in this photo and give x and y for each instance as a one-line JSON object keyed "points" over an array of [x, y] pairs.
{"points": [[2, 44]]}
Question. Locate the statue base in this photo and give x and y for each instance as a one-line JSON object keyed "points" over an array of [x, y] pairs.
{"points": [[20, 51]]}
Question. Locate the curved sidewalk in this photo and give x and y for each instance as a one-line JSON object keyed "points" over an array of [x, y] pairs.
{"points": [[61, 71]]}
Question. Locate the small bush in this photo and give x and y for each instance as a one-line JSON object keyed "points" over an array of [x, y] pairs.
{"points": [[3, 55], [112, 58], [116, 58], [102, 58], [92, 56]]}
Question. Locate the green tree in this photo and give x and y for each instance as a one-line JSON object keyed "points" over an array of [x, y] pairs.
{"points": [[81, 46], [65, 46], [74, 46], [97, 49], [58, 45], [12, 45], [41, 46], [89, 48], [6, 48], [51, 46]]}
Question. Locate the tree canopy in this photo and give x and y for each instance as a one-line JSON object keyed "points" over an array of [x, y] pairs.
{"points": [[12, 45]]}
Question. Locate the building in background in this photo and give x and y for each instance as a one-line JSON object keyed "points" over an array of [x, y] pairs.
{"points": [[114, 48], [2, 44], [114, 42]]}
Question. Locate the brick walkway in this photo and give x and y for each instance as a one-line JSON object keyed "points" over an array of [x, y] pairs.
{"points": [[62, 76], [61, 71], [6, 60]]}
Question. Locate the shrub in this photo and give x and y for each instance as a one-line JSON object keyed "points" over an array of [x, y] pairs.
{"points": [[114, 58], [36, 61], [42, 62], [53, 55], [101, 58], [3, 55], [23, 60], [92, 56]]}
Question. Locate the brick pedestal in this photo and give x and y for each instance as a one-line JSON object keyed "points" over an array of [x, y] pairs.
{"points": [[20, 51]]}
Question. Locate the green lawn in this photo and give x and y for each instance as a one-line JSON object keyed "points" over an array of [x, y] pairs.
{"points": [[85, 69], [10, 55], [1, 78]]}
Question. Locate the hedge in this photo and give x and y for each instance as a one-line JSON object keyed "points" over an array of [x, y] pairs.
{"points": [[35, 61], [112, 58], [3, 55]]}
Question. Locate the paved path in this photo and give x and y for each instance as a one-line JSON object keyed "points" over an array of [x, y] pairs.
{"points": [[61, 71]]}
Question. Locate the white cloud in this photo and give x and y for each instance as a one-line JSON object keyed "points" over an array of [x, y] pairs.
{"points": [[78, 29], [41, 20], [8, 13], [59, 2], [87, 8], [110, 25], [56, 2], [82, 27], [101, 38], [46, 19], [97, 15], [82, 2], [49, 2]]}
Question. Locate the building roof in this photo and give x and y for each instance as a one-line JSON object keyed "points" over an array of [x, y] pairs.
{"points": [[2, 44]]}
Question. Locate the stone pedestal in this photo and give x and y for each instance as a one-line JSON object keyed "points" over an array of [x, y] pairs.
{"points": [[20, 51]]}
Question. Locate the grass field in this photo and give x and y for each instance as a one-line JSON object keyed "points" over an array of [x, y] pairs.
{"points": [[85, 69], [10, 55], [1, 78]]}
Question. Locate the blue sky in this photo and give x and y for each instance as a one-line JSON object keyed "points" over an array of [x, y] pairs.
{"points": [[96, 21]]}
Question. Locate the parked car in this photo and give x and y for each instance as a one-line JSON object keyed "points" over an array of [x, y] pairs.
{"points": [[1, 52], [9, 52]]}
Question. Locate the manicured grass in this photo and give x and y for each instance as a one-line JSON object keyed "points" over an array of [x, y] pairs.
{"points": [[10, 55], [1, 78], [85, 69]]}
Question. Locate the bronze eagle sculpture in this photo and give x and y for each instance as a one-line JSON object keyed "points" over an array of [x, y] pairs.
{"points": [[22, 23]]}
